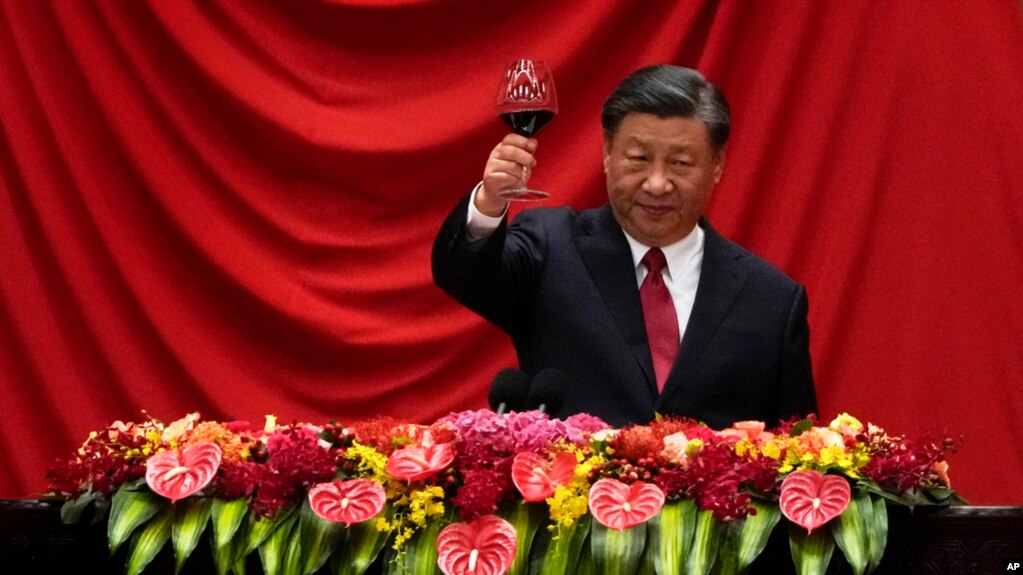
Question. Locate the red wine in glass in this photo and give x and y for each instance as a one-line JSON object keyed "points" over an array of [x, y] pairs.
{"points": [[526, 101], [527, 122]]}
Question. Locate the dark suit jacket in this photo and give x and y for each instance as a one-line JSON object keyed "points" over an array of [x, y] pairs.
{"points": [[562, 283]]}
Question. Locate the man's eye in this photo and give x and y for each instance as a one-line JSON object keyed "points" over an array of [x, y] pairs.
{"points": [[636, 158]]}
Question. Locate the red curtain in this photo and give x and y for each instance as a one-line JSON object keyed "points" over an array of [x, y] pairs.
{"points": [[228, 206]]}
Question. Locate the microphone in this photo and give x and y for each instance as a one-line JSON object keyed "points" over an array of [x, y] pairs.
{"points": [[548, 390], [508, 391]]}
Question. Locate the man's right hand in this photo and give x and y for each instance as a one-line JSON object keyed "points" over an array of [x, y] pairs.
{"points": [[508, 167]]}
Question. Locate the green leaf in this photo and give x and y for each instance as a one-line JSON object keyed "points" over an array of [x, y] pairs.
{"points": [[360, 546], [803, 425], [706, 539], [616, 552], [149, 540], [312, 541], [557, 552], [259, 528], [646, 563], [902, 500], [727, 562], [943, 496], [72, 509], [526, 518], [585, 564], [190, 522], [671, 535], [421, 550], [291, 564], [756, 530], [226, 517], [811, 552], [850, 530], [131, 507], [877, 531], [274, 548]]}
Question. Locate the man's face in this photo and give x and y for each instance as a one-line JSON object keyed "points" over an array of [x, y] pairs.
{"points": [[660, 176]]}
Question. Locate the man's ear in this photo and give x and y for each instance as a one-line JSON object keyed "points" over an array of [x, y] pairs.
{"points": [[719, 165], [607, 154]]}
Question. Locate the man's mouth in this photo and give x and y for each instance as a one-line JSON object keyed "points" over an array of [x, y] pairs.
{"points": [[655, 211]]}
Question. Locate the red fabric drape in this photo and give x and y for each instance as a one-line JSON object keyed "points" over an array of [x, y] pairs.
{"points": [[227, 207]]}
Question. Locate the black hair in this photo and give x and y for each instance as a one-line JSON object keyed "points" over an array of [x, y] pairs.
{"points": [[668, 91]]}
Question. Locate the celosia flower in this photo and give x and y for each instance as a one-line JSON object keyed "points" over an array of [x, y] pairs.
{"points": [[235, 446]]}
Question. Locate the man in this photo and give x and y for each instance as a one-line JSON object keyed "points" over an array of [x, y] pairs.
{"points": [[717, 334]]}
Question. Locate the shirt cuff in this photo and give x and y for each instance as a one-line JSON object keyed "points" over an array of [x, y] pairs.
{"points": [[478, 225]]}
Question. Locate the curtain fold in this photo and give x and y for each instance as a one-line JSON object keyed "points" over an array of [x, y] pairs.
{"points": [[228, 207]]}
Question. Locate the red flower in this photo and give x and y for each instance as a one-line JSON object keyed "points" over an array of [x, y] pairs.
{"points": [[900, 466], [415, 463]]}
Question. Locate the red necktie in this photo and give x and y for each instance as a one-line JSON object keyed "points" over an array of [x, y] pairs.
{"points": [[659, 315]]}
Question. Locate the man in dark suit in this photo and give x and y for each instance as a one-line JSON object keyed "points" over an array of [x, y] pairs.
{"points": [[698, 327]]}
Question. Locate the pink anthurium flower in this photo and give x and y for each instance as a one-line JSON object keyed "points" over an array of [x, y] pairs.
{"points": [[486, 546], [347, 502], [178, 473], [536, 478], [620, 506], [811, 499], [415, 462]]}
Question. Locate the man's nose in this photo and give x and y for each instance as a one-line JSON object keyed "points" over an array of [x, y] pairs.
{"points": [[657, 181]]}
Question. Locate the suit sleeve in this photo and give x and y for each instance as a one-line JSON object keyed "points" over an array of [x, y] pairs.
{"points": [[490, 276], [796, 388]]}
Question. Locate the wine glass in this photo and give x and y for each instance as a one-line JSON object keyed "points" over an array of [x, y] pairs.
{"points": [[526, 101]]}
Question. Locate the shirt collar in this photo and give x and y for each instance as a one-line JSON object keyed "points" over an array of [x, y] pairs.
{"points": [[677, 254]]}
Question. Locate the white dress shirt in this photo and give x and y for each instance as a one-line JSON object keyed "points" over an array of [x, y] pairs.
{"points": [[681, 275]]}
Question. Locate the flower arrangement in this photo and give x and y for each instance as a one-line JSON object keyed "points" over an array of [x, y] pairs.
{"points": [[479, 492]]}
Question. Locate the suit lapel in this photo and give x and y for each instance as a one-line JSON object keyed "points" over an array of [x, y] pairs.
{"points": [[721, 280], [608, 259]]}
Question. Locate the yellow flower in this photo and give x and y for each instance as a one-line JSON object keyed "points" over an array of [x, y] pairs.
{"points": [[371, 463], [693, 447], [569, 502], [845, 424], [744, 446], [772, 450], [567, 505], [426, 503]]}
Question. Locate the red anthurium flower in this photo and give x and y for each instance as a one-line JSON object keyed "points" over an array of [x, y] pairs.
{"points": [[811, 499], [415, 463], [484, 547], [537, 479], [620, 506], [176, 474], [347, 502]]}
